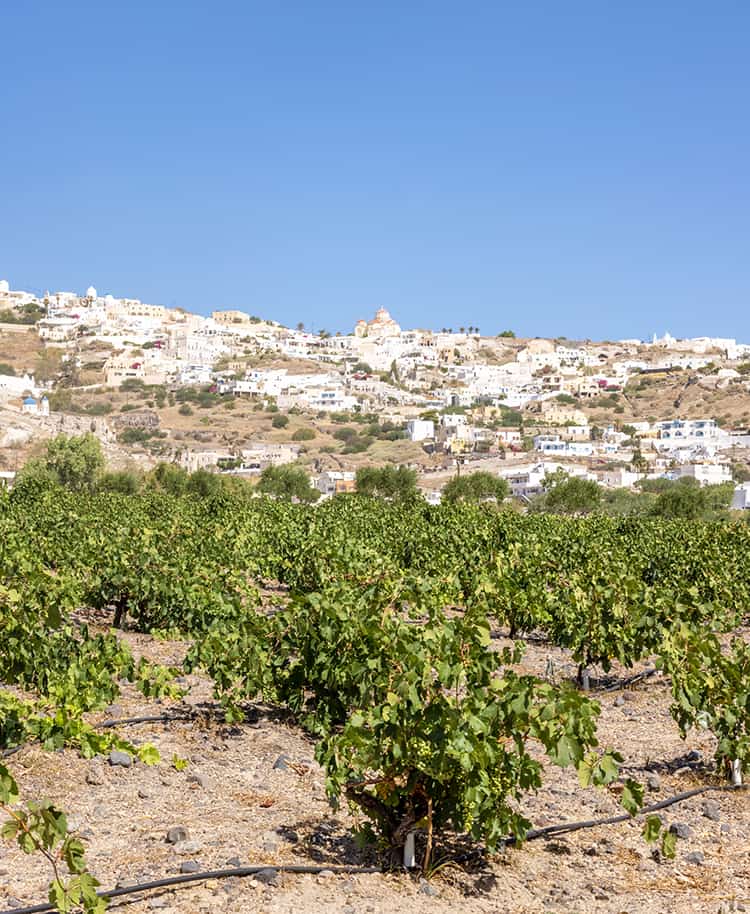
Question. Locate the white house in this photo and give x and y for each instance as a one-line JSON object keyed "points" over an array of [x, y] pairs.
{"points": [[453, 420], [330, 399], [260, 454], [571, 354], [13, 386], [619, 478], [741, 499], [33, 407], [58, 329], [511, 435], [679, 433], [554, 444], [707, 474], [195, 374], [191, 460], [432, 496], [420, 429], [527, 481]]}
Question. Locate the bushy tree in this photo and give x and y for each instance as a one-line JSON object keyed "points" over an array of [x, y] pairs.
{"points": [[658, 485], [387, 482], [203, 483], [128, 482], [624, 502], [288, 483], [169, 477], [686, 499], [571, 495], [480, 486], [718, 498], [73, 461], [511, 417], [34, 477]]}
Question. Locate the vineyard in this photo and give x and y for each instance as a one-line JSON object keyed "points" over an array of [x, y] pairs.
{"points": [[440, 667]]}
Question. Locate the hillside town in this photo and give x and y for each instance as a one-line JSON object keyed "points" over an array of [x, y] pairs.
{"points": [[439, 401]]}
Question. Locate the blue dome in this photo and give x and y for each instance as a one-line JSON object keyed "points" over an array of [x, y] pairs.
{"points": [[29, 401]]}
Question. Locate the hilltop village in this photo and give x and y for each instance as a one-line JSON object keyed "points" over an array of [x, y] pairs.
{"points": [[234, 393]]}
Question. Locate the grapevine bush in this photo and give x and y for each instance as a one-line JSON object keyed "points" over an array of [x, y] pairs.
{"points": [[370, 622]]}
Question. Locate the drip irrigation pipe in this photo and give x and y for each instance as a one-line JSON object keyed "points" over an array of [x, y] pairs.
{"points": [[630, 680], [107, 724], [6, 753], [565, 827], [209, 874], [152, 719], [549, 830]]}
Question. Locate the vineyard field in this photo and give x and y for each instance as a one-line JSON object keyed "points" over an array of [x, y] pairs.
{"points": [[349, 675]]}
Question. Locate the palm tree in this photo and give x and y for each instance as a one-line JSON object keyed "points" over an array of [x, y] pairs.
{"points": [[300, 326]]}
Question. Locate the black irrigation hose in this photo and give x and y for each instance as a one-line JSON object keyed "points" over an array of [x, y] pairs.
{"points": [[6, 753], [210, 874], [565, 827], [152, 719], [106, 724], [306, 868], [630, 680]]}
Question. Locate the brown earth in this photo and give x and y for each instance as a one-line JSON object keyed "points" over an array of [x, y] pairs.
{"points": [[20, 347], [236, 805], [671, 396]]}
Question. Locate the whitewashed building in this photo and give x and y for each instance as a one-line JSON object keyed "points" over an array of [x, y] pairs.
{"points": [[741, 499], [707, 474], [420, 429], [527, 481], [58, 329], [681, 433], [555, 445]]}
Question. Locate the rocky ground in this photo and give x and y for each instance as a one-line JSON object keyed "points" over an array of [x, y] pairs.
{"points": [[251, 794]]}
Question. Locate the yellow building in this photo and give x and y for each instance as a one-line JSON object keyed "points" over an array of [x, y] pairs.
{"points": [[230, 317]]}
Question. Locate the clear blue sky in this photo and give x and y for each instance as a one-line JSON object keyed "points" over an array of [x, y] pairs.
{"points": [[569, 167]]}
